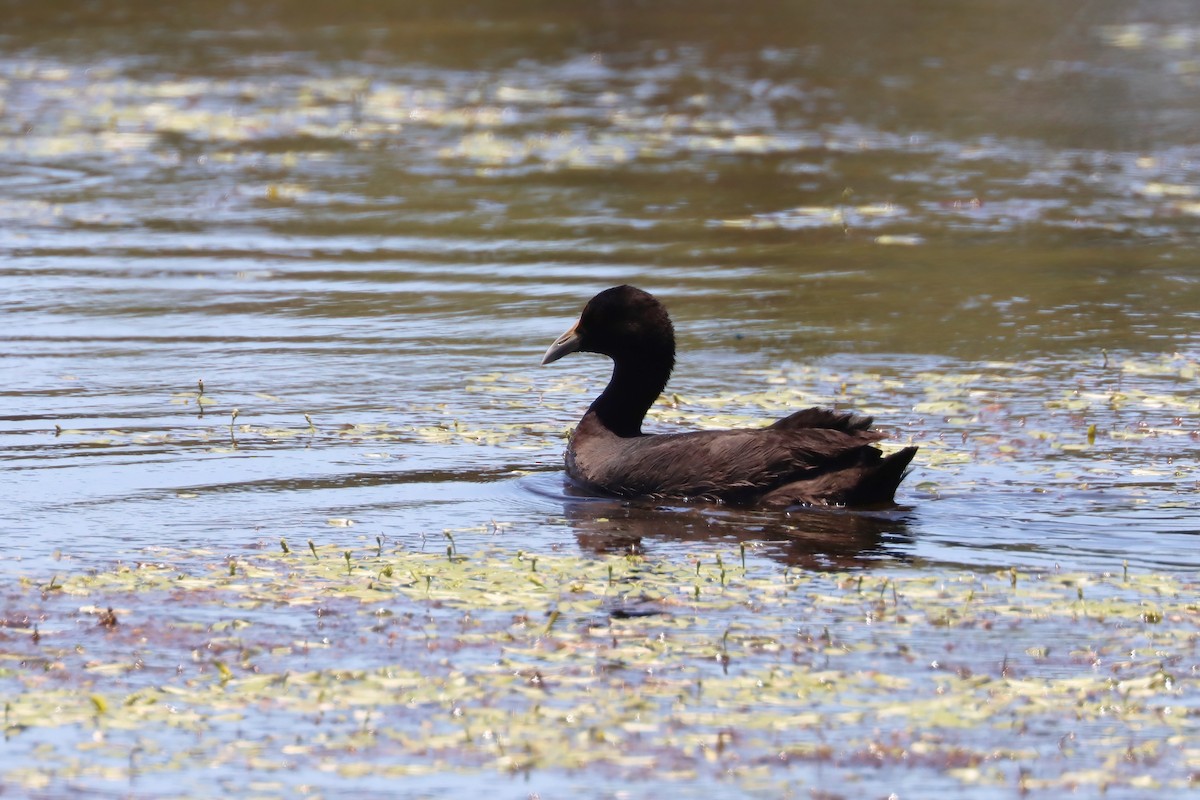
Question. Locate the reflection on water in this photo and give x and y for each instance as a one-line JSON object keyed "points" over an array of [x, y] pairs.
{"points": [[359, 221], [353, 222], [359, 225], [821, 539]]}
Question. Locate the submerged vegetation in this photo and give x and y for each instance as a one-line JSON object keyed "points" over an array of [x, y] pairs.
{"points": [[1119, 424], [354, 226], [484, 651], [378, 657], [375, 661], [1127, 400]]}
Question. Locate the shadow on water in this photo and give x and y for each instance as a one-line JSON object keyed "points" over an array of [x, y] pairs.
{"points": [[810, 538]]}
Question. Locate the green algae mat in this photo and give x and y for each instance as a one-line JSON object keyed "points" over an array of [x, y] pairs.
{"points": [[293, 669]]}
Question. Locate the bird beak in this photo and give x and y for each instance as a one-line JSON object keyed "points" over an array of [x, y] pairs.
{"points": [[569, 342]]}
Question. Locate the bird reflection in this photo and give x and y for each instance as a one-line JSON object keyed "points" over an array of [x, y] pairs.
{"points": [[827, 539]]}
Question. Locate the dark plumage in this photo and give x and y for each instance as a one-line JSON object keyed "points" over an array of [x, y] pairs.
{"points": [[814, 456]]}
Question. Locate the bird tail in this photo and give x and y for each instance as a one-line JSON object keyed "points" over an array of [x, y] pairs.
{"points": [[878, 485]]}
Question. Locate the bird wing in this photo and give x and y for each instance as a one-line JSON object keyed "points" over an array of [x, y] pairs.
{"points": [[724, 463]]}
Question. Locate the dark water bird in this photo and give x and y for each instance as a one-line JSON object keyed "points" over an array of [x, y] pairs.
{"points": [[815, 456]]}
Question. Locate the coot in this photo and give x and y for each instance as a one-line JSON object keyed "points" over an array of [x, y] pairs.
{"points": [[815, 456]]}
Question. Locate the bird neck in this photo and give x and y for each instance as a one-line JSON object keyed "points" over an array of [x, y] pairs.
{"points": [[631, 391]]}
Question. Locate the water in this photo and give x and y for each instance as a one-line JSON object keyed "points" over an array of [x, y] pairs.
{"points": [[978, 224], [355, 239]]}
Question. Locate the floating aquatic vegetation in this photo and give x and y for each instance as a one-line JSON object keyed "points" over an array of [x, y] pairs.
{"points": [[386, 660], [818, 216], [1117, 424]]}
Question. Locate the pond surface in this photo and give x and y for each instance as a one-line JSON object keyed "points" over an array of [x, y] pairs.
{"points": [[287, 274]]}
